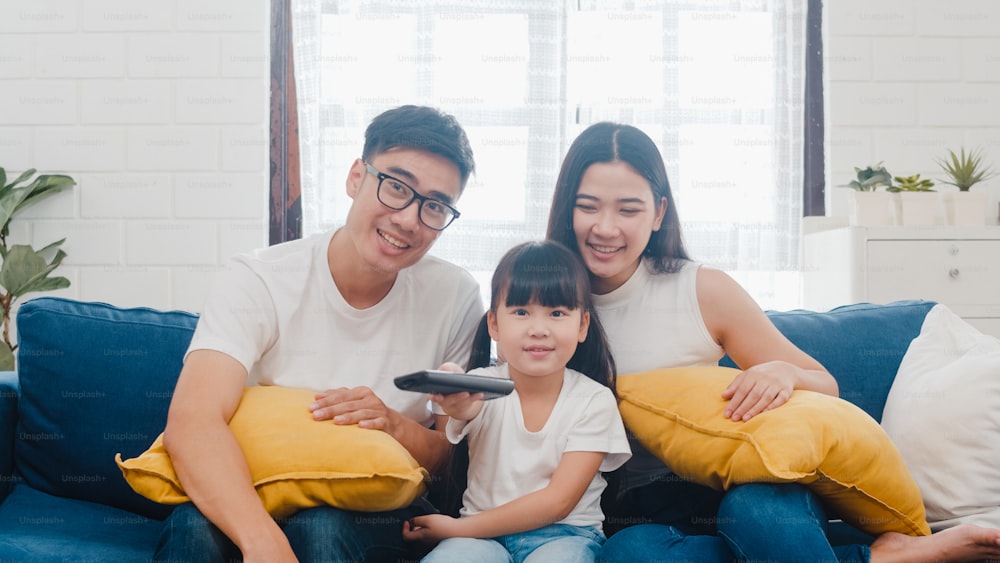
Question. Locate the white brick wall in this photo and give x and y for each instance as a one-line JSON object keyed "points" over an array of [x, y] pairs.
{"points": [[159, 111], [906, 81]]}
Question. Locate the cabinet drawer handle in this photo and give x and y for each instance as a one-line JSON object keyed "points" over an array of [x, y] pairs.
{"points": [[953, 273]]}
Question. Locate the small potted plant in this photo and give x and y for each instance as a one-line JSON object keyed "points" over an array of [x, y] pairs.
{"points": [[24, 269], [964, 170], [917, 200], [868, 205]]}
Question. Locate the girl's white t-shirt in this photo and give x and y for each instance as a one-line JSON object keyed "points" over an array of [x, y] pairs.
{"points": [[506, 461], [279, 313]]}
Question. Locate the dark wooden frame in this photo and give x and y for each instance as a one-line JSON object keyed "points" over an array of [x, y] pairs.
{"points": [[285, 202], [814, 162]]}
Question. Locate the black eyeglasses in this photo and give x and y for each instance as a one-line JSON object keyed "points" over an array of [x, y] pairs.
{"points": [[433, 213]]}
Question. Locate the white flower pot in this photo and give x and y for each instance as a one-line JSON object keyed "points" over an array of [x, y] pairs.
{"points": [[895, 208], [869, 209], [964, 209], [916, 209]]}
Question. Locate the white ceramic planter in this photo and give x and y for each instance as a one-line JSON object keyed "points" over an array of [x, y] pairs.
{"points": [[895, 208], [964, 209], [869, 209], [916, 209]]}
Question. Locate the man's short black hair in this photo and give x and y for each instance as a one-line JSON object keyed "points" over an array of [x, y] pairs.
{"points": [[423, 128]]}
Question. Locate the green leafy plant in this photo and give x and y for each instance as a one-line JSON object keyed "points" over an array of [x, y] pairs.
{"points": [[870, 178], [25, 269], [911, 184], [965, 170]]}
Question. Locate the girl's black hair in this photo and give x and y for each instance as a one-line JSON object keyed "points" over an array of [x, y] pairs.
{"points": [[548, 273], [615, 142]]}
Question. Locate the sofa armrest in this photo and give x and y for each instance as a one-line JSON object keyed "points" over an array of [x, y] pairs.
{"points": [[8, 429]]}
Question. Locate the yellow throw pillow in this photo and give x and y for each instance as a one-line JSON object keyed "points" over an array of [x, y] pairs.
{"points": [[823, 442], [296, 462]]}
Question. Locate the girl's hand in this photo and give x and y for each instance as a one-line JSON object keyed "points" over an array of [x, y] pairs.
{"points": [[460, 406], [760, 388], [431, 528]]}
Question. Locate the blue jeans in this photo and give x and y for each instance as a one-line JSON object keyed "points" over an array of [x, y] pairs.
{"points": [[755, 522], [315, 534], [556, 543]]}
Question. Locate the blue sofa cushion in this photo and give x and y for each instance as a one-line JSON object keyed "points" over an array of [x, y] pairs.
{"points": [[869, 345], [35, 526], [95, 380]]}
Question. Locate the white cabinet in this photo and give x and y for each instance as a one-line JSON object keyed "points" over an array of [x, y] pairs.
{"points": [[956, 266]]}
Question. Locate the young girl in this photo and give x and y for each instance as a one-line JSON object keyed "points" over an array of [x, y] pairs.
{"points": [[536, 456], [613, 207]]}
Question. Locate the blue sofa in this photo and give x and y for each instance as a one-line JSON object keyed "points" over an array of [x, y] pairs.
{"points": [[94, 380]]}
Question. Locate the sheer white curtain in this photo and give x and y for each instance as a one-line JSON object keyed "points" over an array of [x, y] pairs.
{"points": [[717, 84]]}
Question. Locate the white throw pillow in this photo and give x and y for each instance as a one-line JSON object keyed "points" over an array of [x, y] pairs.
{"points": [[943, 413]]}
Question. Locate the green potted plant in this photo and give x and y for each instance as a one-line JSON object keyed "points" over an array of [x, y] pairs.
{"points": [[911, 184], [964, 170], [24, 269], [917, 200], [868, 205], [870, 178]]}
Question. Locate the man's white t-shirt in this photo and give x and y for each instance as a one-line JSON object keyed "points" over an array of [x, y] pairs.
{"points": [[279, 313], [506, 461]]}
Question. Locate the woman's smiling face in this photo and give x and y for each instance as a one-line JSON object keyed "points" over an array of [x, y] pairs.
{"points": [[614, 216]]}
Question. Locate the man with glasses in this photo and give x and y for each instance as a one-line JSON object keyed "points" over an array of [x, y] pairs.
{"points": [[342, 313], [434, 212]]}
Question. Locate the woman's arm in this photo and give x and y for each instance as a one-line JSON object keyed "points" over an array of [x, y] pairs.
{"points": [[773, 366], [546, 506]]}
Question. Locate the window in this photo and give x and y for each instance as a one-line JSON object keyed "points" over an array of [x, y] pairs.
{"points": [[718, 87]]}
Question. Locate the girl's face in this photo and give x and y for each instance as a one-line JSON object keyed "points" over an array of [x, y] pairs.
{"points": [[537, 341], [616, 213]]}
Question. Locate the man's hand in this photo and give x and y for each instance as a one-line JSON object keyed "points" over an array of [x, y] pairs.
{"points": [[356, 405], [761, 388], [361, 406]]}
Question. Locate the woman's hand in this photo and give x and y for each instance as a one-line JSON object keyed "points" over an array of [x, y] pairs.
{"points": [[761, 388], [431, 528]]}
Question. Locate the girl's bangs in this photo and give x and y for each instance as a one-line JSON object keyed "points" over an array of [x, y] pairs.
{"points": [[543, 277]]}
